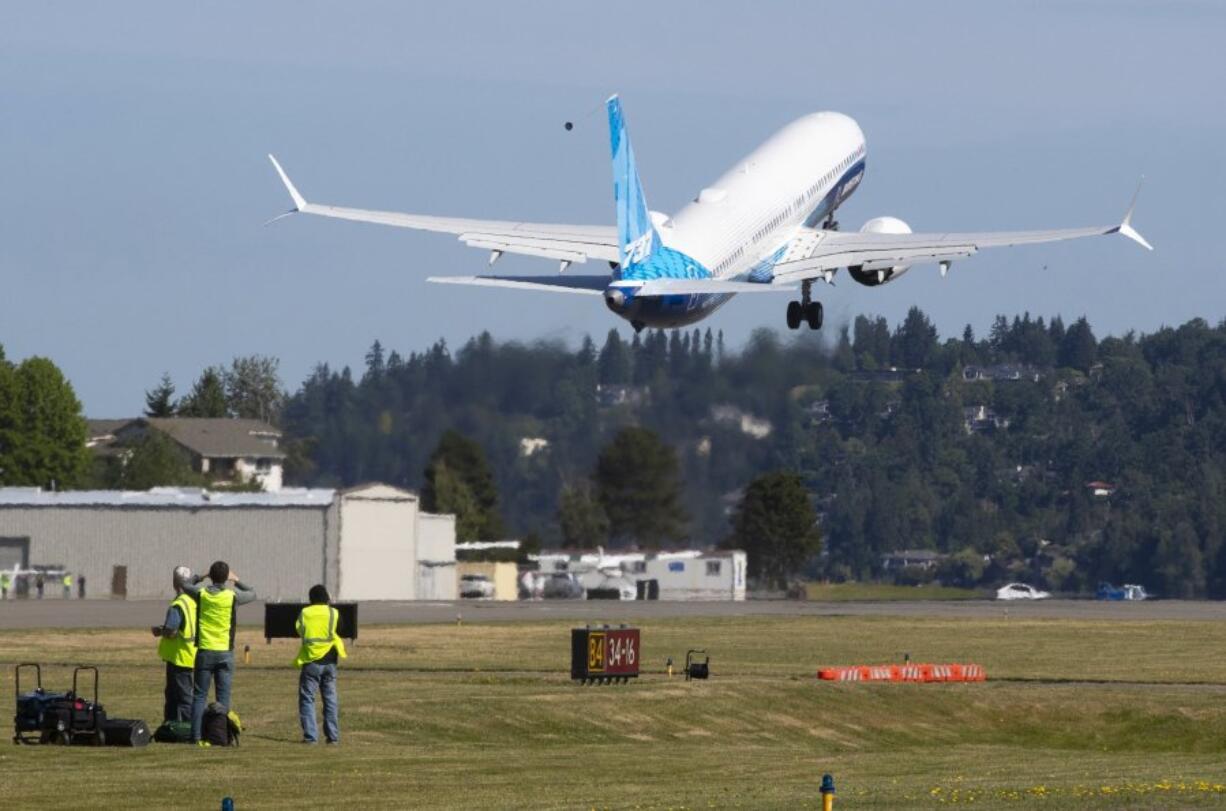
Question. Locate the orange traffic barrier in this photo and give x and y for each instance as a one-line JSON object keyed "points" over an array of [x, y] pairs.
{"points": [[921, 673]]}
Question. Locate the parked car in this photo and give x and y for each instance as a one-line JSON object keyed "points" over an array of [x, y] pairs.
{"points": [[1128, 591], [476, 587], [1020, 591]]}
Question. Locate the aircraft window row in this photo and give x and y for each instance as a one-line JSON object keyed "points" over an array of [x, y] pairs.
{"points": [[728, 260], [829, 176], [773, 224]]}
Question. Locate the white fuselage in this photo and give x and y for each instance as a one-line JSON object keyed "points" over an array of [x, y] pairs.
{"points": [[743, 224]]}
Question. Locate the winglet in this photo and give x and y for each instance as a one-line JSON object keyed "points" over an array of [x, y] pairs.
{"points": [[300, 202], [1126, 228]]}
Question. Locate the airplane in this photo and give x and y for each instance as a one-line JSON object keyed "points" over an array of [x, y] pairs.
{"points": [[767, 225]]}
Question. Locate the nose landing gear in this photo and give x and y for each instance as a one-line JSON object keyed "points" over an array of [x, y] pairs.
{"points": [[805, 310]]}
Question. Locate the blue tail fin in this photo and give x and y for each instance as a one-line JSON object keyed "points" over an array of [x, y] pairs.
{"points": [[637, 238]]}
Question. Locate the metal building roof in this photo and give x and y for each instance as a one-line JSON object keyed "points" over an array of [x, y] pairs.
{"points": [[190, 497]]}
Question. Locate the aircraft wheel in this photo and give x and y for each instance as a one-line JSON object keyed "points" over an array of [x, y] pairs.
{"points": [[814, 315], [794, 314]]}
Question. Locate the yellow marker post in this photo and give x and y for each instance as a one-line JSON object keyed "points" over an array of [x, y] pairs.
{"points": [[246, 654], [827, 793]]}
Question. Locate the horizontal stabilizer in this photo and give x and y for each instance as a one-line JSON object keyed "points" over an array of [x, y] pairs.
{"points": [[686, 287], [589, 285]]}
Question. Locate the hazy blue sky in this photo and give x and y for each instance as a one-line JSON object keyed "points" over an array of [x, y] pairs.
{"points": [[133, 182]]}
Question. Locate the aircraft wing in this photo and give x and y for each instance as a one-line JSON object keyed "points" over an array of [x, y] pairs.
{"points": [[563, 283], [564, 243], [688, 287], [596, 285], [830, 250]]}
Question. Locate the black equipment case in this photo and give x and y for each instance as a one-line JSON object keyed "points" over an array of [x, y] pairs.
{"points": [[124, 732]]}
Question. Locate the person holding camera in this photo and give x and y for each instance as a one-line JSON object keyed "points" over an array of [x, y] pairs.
{"points": [[216, 607], [177, 648]]}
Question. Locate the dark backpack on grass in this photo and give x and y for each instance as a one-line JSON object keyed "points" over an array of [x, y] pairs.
{"points": [[174, 732], [220, 728]]}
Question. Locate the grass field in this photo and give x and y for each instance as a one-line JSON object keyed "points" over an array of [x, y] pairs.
{"points": [[850, 592], [1075, 715]]}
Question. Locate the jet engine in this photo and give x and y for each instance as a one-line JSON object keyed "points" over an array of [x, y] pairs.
{"points": [[873, 276]]}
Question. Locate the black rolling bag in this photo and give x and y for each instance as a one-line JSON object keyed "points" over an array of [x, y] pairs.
{"points": [[125, 732]]}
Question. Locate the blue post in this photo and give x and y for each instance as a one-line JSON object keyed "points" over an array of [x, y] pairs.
{"points": [[827, 792]]}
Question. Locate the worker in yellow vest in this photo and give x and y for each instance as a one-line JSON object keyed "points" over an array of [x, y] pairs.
{"points": [[67, 583], [177, 648], [318, 655], [215, 624]]}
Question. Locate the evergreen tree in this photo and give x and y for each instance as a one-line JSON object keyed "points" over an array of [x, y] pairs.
{"points": [[582, 519], [253, 388], [637, 483], [775, 524], [844, 354], [586, 355], [466, 460], [1079, 347], [374, 361], [159, 402], [614, 363], [449, 493], [915, 342], [207, 397]]}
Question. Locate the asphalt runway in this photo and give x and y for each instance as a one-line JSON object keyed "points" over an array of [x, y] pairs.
{"points": [[58, 613]]}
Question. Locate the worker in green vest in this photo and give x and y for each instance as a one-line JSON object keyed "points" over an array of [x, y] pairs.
{"points": [[318, 655], [215, 625], [5, 582], [177, 648], [67, 583]]}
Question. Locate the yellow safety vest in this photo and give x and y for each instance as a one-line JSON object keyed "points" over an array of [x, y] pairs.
{"points": [[68, 581], [215, 620], [317, 627], [180, 649]]}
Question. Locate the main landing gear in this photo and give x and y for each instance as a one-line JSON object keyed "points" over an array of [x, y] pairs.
{"points": [[805, 310]]}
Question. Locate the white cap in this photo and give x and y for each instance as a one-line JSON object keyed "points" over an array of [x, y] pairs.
{"points": [[183, 575]]}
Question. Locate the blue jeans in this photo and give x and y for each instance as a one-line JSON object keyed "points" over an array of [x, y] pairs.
{"points": [[211, 664], [322, 676]]}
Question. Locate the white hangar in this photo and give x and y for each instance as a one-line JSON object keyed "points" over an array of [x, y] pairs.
{"points": [[370, 542]]}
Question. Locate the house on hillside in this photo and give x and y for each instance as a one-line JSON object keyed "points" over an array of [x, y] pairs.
{"points": [[238, 450], [911, 559], [609, 395], [1001, 373], [891, 374], [978, 419], [1101, 489], [750, 424]]}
